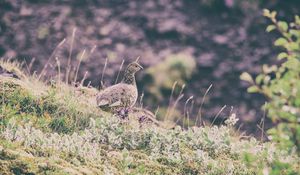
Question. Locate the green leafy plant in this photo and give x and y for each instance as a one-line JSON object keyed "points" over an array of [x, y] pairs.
{"points": [[281, 83]]}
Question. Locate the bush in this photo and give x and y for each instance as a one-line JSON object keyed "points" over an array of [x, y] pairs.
{"points": [[160, 78], [280, 84]]}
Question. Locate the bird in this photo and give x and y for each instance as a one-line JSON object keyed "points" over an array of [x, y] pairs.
{"points": [[122, 96], [4, 72], [145, 116]]}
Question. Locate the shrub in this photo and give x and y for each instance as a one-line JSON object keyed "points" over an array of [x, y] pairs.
{"points": [[281, 84], [160, 78]]}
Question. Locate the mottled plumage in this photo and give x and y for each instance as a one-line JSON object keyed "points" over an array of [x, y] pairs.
{"points": [[121, 95], [145, 116], [6, 73]]}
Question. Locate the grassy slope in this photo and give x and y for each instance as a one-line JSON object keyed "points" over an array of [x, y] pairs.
{"points": [[57, 129]]}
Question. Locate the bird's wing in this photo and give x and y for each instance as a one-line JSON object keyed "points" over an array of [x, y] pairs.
{"points": [[115, 104], [103, 102]]}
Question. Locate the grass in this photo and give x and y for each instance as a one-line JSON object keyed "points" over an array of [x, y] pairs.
{"points": [[55, 128]]}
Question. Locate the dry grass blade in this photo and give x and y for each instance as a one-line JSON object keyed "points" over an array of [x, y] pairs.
{"points": [[89, 84], [70, 56], [78, 66], [30, 65], [261, 125], [190, 110], [84, 78], [170, 99], [175, 104], [185, 111], [102, 86], [26, 65], [49, 59], [199, 114], [93, 49], [230, 113], [59, 71], [137, 59], [104, 68], [121, 66], [156, 111], [218, 114], [141, 100]]}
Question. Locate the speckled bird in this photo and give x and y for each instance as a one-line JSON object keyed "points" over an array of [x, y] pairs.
{"points": [[122, 95]]}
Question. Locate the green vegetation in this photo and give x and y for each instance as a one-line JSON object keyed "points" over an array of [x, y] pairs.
{"points": [[280, 84], [57, 129], [161, 77]]}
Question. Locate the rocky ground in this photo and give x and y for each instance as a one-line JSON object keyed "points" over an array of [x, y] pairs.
{"points": [[223, 39]]}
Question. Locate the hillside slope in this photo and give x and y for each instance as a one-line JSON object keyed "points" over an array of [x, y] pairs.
{"points": [[54, 128]]}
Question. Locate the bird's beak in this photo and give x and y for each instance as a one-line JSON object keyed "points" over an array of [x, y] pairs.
{"points": [[140, 66], [137, 61]]}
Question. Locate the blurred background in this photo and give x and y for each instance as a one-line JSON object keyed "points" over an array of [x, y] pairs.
{"points": [[194, 42]]}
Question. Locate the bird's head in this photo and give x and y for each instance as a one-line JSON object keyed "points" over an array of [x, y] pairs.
{"points": [[134, 67]]}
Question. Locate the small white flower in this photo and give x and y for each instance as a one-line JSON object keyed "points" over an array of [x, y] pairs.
{"points": [[231, 121]]}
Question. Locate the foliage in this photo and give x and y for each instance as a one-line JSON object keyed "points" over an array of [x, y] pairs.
{"points": [[280, 84], [161, 77]]}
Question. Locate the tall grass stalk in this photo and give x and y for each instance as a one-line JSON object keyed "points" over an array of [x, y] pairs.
{"points": [[78, 66], [217, 115], [180, 96], [170, 99], [30, 65], [70, 56], [141, 100], [185, 111], [58, 69], [120, 68], [49, 59], [199, 114], [84, 78], [261, 125], [102, 74]]}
